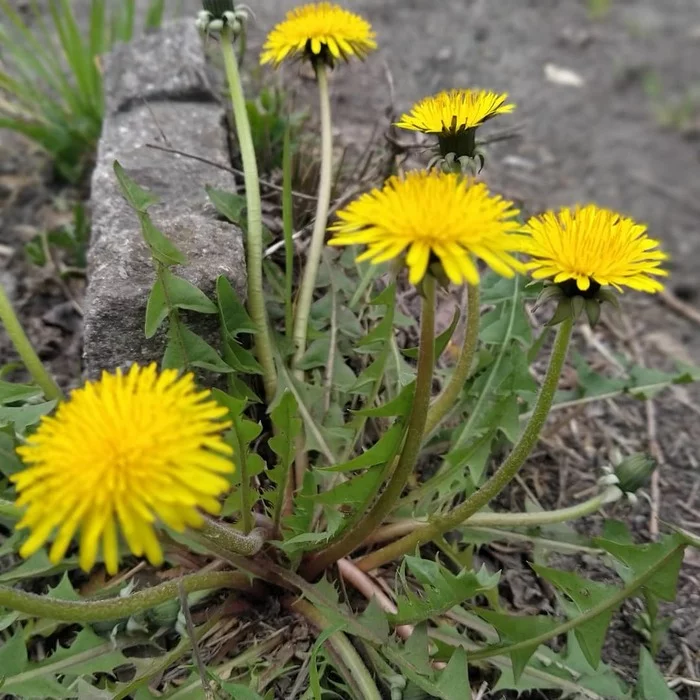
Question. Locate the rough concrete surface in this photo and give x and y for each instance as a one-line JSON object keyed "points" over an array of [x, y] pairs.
{"points": [[156, 92]]}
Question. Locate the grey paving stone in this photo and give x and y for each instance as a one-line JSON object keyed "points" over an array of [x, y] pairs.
{"points": [[156, 92]]}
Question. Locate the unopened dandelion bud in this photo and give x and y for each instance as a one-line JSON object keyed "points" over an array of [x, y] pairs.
{"points": [[634, 472], [218, 7]]}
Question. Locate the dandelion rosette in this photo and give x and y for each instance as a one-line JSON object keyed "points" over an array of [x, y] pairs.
{"points": [[433, 217], [123, 453], [454, 116], [582, 251], [321, 32]]}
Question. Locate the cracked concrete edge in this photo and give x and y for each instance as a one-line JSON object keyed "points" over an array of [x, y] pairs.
{"points": [[156, 88]]}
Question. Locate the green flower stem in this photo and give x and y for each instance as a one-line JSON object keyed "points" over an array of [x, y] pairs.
{"points": [[232, 541], [502, 476], [357, 534], [506, 520], [445, 472], [288, 230], [256, 299], [26, 352], [117, 608], [446, 400], [345, 657], [313, 260]]}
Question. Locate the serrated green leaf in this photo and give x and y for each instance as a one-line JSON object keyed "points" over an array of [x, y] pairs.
{"points": [[415, 650], [638, 559], [651, 684], [287, 428], [64, 590], [385, 297], [399, 406], [156, 309], [90, 692], [374, 618], [453, 681], [186, 348], [381, 333], [398, 372], [584, 594], [162, 249], [507, 417], [348, 323], [181, 294], [353, 491], [498, 325], [240, 359], [617, 531], [316, 354], [519, 628], [38, 565], [570, 674], [316, 436], [368, 377], [138, 198], [234, 316], [652, 378], [441, 341], [87, 655], [381, 452], [9, 461], [592, 383], [13, 656], [13, 393], [22, 417], [234, 404], [343, 377], [230, 205], [441, 590]]}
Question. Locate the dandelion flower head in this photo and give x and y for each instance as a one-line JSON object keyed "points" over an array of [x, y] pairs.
{"points": [[452, 111], [321, 32], [120, 454], [430, 216], [594, 247]]}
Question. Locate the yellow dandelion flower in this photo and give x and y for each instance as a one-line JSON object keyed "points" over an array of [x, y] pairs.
{"points": [[123, 452], [452, 111], [319, 31], [595, 247], [433, 216]]}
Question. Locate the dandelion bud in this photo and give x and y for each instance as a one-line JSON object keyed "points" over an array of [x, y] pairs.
{"points": [[217, 8], [634, 471]]}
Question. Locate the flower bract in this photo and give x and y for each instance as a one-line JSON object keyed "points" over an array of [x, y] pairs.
{"points": [[593, 247], [452, 111], [320, 32], [433, 216], [121, 454]]}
